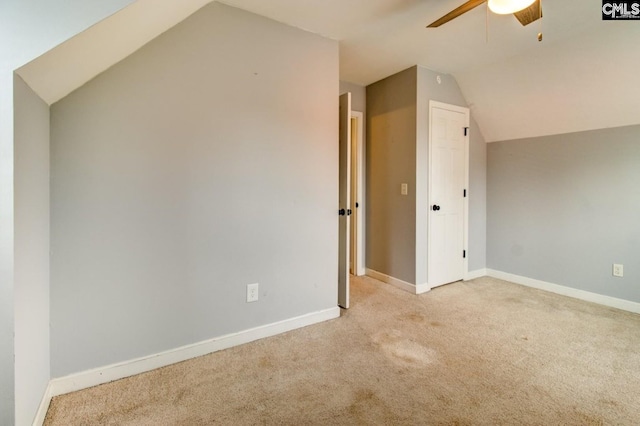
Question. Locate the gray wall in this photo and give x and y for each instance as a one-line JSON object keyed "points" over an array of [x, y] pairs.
{"points": [[391, 159], [31, 133], [33, 29], [477, 199], [447, 91], [564, 208], [7, 353], [397, 152], [204, 162]]}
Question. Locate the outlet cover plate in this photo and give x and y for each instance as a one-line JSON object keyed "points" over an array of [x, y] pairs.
{"points": [[252, 292], [618, 270]]}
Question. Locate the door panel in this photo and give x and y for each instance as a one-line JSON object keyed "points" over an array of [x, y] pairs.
{"points": [[447, 185], [344, 201]]}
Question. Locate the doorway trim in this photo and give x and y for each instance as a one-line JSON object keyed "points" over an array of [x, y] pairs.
{"points": [[465, 230], [358, 196]]}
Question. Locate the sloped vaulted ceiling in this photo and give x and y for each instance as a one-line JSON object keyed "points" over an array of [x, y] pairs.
{"points": [[76, 61], [584, 83], [581, 77]]}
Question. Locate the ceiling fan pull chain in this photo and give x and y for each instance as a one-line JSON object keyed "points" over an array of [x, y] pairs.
{"points": [[486, 25], [540, 19]]}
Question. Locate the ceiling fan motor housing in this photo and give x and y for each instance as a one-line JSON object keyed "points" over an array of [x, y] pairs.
{"points": [[505, 7]]}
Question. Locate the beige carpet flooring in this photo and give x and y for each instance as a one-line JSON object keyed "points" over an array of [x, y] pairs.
{"points": [[480, 352]]}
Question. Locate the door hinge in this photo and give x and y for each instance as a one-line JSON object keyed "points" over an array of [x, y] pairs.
{"points": [[464, 254], [466, 131], [464, 193]]}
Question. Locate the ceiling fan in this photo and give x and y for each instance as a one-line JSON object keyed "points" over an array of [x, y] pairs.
{"points": [[527, 11]]}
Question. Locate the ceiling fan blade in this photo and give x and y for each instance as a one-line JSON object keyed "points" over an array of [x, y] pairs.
{"points": [[471, 4], [530, 14]]}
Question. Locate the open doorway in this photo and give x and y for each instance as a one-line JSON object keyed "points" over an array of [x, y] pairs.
{"points": [[350, 197], [356, 258]]}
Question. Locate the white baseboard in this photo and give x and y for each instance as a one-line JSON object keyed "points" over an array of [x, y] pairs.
{"points": [[423, 288], [625, 305], [129, 368], [44, 406], [472, 275], [420, 288], [402, 285]]}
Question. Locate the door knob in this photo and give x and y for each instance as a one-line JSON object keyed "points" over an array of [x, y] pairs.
{"points": [[341, 212], [436, 207]]}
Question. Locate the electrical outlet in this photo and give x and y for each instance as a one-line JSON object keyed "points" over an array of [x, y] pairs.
{"points": [[404, 189], [252, 292], [618, 270]]}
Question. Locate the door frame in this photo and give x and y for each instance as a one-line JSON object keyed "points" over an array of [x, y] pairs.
{"points": [[357, 172], [465, 210]]}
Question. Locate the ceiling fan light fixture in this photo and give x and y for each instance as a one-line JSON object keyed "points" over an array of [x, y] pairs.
{"points": [[505, 7]]}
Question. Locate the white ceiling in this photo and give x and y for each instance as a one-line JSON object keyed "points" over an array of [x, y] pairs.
{"points": [[380, 37], [579, 78]]}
